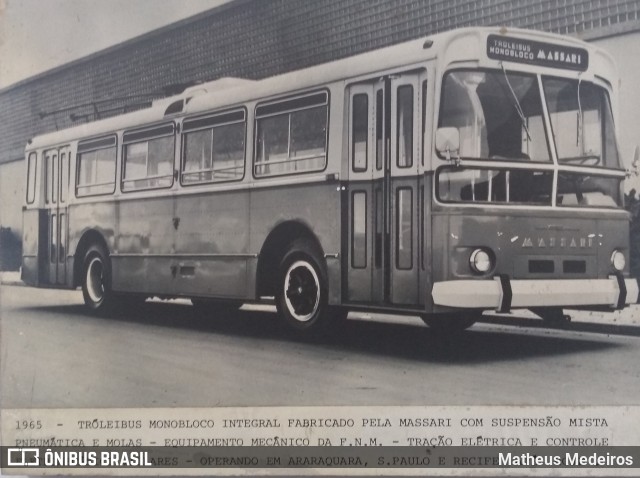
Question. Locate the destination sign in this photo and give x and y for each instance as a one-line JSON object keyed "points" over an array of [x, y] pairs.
{"points": [[505, 48]]}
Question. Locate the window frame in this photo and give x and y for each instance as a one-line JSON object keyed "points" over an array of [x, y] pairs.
{"points": [[352, 136], [31, 185], [380, 126], [209, 124], [146, 134], [542, 98], [365, 263], [400, 121], [286, 106], [98, 144], [534, 170], [400, 254], [52, 175], [562, 162], [63, 192]]}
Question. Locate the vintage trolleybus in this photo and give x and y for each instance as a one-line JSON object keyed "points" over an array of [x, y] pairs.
{"points": [[475, 170]]}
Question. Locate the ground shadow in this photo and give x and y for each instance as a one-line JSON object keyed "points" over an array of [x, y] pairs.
{"points": [[596, 328], [414, 342]]}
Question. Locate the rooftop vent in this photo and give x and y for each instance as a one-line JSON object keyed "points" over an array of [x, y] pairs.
{"points": [[176, 104]]}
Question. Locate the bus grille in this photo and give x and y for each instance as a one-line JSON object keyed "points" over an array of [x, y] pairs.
{"points": [[548, 266]]}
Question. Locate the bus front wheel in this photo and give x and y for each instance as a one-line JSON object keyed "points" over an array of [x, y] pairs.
{"points": [[96, 283], [301, 296]]}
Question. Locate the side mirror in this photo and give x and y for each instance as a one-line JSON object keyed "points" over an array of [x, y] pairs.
{"points": [[448, 142]]}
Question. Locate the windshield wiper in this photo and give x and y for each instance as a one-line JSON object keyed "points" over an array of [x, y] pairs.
{"points": [[517, 103]]}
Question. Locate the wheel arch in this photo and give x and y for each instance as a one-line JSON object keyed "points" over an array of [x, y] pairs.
{"points": [[88, 239], [275, 247]]}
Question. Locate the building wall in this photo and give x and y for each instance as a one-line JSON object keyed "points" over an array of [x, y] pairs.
{"points": [[260, 38], [12, 194], [11, 200]]}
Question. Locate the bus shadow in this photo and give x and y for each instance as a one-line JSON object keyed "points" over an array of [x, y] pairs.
{"points": [[470, 346], [413, 342], [575, 326]]}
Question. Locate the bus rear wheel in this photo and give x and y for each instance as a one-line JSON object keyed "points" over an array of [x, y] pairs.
{"points": [[451, 324], [301, 296], [96, 283]]}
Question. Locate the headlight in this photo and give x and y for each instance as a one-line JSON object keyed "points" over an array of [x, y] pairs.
{"points": [[480, 261], [618, 260]]}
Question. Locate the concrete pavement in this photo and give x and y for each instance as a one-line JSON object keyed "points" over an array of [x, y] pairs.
{"points": [[10, 278]]}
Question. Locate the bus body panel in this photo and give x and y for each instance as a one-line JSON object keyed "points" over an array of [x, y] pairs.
{"points": [[527, 245], [211, 244], [34, 246], [315, 206], [199, 244], [298, 203], [145, 245]]}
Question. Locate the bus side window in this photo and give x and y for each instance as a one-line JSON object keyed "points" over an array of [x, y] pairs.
{"points": [[379, 129], [51, 184], [359, 228], [64, 177], [404, 240], [148, 158], [405, 126], [96, 167], [214, 154], [360, 132], [291, 136], [424, 118], [32, 163]]}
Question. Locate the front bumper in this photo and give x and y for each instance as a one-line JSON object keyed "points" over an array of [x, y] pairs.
{"points": [[502, 294]]}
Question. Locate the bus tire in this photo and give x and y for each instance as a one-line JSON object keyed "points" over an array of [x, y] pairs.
{"points": [[451, 324], [301, 295], [96, 280]]}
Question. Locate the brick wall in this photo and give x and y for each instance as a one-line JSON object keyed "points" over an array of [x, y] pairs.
{"points": [[258, 38]]}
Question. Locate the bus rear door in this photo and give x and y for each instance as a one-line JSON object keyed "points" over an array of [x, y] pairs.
{"points": [[56, 196]]}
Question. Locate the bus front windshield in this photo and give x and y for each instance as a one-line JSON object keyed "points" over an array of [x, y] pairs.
{"points": [[499, 116]]}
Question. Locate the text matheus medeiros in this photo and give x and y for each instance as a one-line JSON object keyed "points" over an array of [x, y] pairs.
{"points": [[568, 459]]}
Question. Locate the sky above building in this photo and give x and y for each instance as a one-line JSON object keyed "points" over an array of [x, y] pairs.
{"points": [[37, 35]]}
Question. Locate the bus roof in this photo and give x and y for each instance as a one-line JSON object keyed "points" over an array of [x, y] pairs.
{"points": [[233, 91]]}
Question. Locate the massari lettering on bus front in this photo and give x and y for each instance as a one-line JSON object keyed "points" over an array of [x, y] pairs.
{"points": [[430, 178]]}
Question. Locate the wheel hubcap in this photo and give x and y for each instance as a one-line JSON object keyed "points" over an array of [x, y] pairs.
{"points": [[302, 291], [95, 280]]}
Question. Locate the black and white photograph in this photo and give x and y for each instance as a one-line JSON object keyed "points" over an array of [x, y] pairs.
{"points": [[332, 203]]}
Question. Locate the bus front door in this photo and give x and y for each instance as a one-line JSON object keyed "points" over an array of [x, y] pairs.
{"points": [[56, 197], [384, 200]]}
